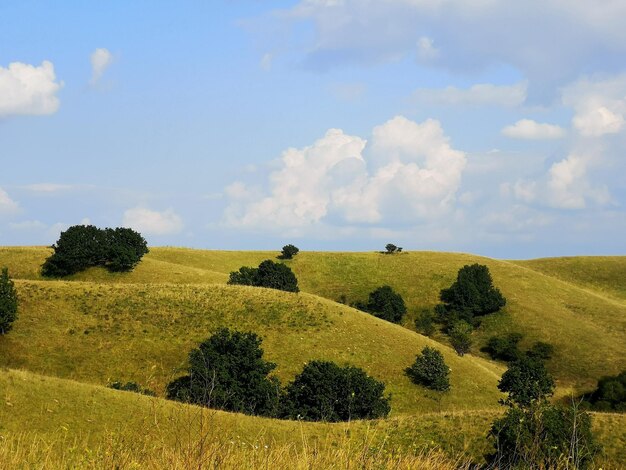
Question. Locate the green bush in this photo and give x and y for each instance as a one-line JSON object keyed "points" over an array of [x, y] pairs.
{"points": [[430, 370], [84, 246], [323, 391], [425, 323], [460, 333], [610, 394], [472, 294], [227, 371], [504, 348], [386, 304], [289, 251], [541, 350], [8, 302], [268, 274]]}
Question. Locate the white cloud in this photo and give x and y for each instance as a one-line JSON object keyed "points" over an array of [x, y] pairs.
{"points": [[599, 105], [532, 130], [426, 50], [150, 222], [100, 59], [569, 188], [7, 205], [484, 94], [411, 174], [28, 90]]}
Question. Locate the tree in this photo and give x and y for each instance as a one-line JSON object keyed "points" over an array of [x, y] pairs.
{"points": [[323, 391], [472, 294], [227, 371], [526, 381], [391, 248], [268, 274], [430, 370], [541, 350], [460, 337], [84, 246], [386, 304], [8, 302], [424, 323], [504, 348], [610, 394], [289, 251]]}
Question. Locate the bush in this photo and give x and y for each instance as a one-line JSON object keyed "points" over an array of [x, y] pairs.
{"points": [[268, 274], [526, 381], [84, 246], [472, 294], [541, 350], [430, 370], [610, 394], [504, 348], [227, 371], [386, 304], [545, 436], [289, 251], [323, 391], [424, 323], [8, 302], [131, 387], [460, 337]]}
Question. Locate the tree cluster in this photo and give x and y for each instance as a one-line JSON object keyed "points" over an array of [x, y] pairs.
{"points": [[227, 371], [430, 370], [506, 348], [8, 302], [534, 433], [384, 303], [268, 274], [289, 251], [84, 246]]}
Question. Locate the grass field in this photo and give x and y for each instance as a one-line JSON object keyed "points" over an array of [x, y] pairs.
{"points": [[97, 327]]}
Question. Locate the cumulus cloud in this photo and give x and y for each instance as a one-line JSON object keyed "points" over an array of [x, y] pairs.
{"points": [[411, 174], [532, 130], [569, 187], [599, 105], [149, 222], [100, 59], [484, 94], [7, 205], [28, 89]]}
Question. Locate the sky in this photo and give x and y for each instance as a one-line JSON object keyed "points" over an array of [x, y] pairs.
{"points": [[493, 127]]}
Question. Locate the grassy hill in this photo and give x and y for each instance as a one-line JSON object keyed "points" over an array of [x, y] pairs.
{"points": [[581, 315], [99, 333], [72, 424]]}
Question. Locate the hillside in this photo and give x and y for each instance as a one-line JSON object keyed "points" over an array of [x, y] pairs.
{"points": [[584, 323], [77, 423]]}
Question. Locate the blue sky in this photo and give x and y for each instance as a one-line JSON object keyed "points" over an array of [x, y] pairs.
{"points": [[490, 127]]}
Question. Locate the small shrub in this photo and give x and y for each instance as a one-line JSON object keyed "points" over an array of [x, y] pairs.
{"points": [[8, 302], [460, 334], [227, 371], [425, 323], [131, 387], [610, 394], [504, 348], [268, 274], [288, 252], [430, 370], [323, 391], [386, 304], [541, 350]]}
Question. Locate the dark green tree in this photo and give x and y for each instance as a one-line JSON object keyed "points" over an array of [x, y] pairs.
{"points": [[384, 303], [289, 251], [472, 294], [323, 391], [84, 246], [390, 248], [8, 302], [610, 394], [526, 381], [430, 370], [504, 348], [268, 274], [227, 371]]}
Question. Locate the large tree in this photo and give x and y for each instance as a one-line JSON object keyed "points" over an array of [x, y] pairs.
{"points": [[227, 371], [8, 302], [387, 304], [268, 274]]}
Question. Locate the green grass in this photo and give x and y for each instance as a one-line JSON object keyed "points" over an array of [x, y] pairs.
{"points": [[76, 418], [603, 274], [104, 332]]}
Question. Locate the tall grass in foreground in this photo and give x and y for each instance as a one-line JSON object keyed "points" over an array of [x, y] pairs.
{"points": [[30, 452]]}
